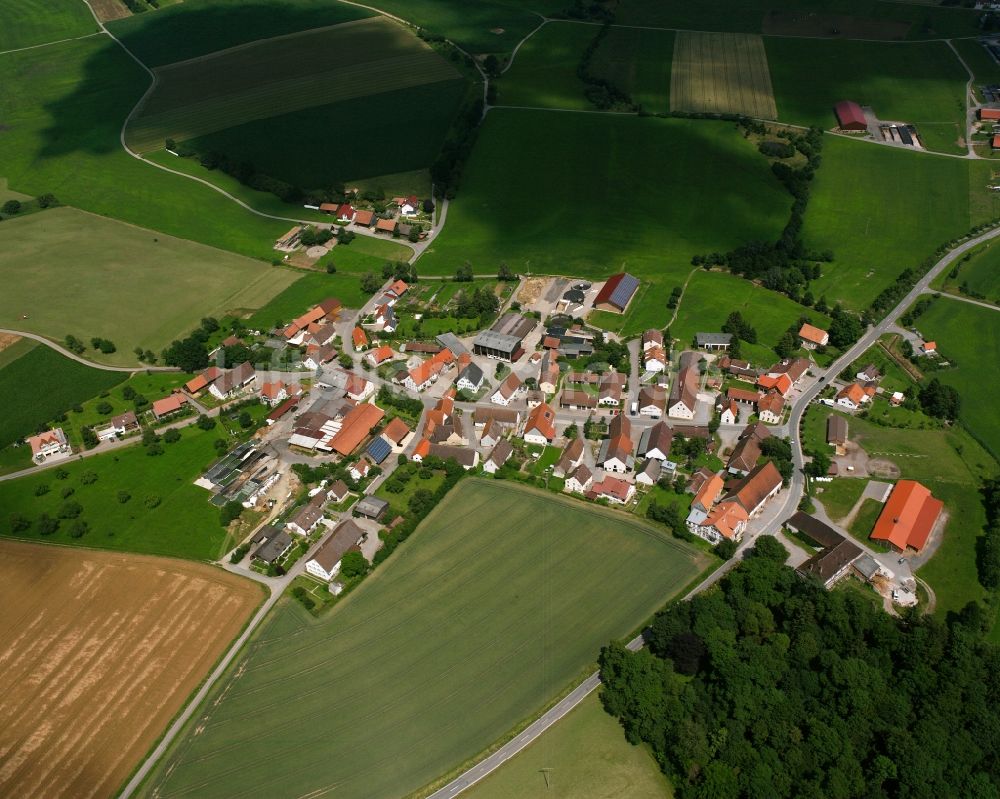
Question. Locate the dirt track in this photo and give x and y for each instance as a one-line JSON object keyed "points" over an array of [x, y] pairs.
{"points": [[98, 651]]}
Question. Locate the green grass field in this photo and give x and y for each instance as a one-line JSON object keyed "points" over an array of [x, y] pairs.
{"points": [[393, 132], [40, 384], [840, 496], [711, 296], [98, 276], [864, 209], [184, 524], [912, 82], [31, 22], [979, 61], [641, 194], [978, 274], [278, 77], [952, 465], [543, 74], [971, 335], [63, 107], [874, 19], [500, 600], [638, 61], [198, 27], [584, 756]]}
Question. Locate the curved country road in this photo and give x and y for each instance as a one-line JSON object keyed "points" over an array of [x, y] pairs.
{"points": [[73, 356], [792, 498]]}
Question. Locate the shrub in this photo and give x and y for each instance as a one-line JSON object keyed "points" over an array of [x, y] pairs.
{"points": [[61, 474], [78, 528], [124, 496], [67, 492], [152, 501], [70, 510], [46, 524], [18, 523], [41, 490], [172, 435], [88, 478], [104, 408]]}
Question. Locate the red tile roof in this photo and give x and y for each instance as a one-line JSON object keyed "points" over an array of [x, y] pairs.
{"points": [[396, 430], [358, 423], [908, 516], [360, 337], [542, 418], [168, 404], [812, 334]]}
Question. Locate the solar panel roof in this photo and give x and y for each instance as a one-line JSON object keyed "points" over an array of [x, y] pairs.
{"points": [[379, 449]]}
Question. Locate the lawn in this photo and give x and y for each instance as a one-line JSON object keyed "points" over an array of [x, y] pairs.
{"points": [[198, 27], [921, 83], [98, 276], [840, 496], [41, 384], [399, 502], [864, 522], [307, 159], [277, 77], [642, 194], [637, 61], [951, 324], [711, 296], [500, 600], [977, 276], [183, 524], [31, 22], [952, 465], [863, 19], [309, 289], [543, 74], [882, 210], [63, 107], [584, 756]]}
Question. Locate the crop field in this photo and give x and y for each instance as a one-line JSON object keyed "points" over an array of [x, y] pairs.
{"points": [[199, 27], [584, 756], [164, 512], [662, 191], [952, 465], [371, 153], [31, 22], [921, 83], [500, 600], [980, 275], [100, 651], [721, 73], [40, 384], [98, 275], [543, 74], [881, 210], [281, 75], [63, 107], [711, 296], [637, 61], [971, 335], [859, 19]]}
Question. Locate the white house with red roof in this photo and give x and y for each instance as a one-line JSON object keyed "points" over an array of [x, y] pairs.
{"points": [[50, 444]]}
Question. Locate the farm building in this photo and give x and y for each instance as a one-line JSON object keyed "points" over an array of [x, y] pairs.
{"points": [[989, 114], [908, 516], [272, 544], [850, 116], [836, 555], [713, 341], [371, 507], [325, 564], [617, 293], [836, 433], [498, 345], [812, 337]]}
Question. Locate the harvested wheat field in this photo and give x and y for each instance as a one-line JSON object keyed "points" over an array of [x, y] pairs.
{"points": [[721, 73], [98, 651]]}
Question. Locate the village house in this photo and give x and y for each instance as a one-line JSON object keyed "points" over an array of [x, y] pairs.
{"points": [[360, 338], [379, 355], [648, 473], [812, 337], [870, 374], [684, 394], [233, 382], [610, 390], [498, 457], [612, 489], [548, 374], [48, 444], [466, 458], [470, 378], [572, 456], [397, 433], [275, 392], [753, 492], [325, 563], [308, 517], [741, 369], [359, 469], [364, 218], [929, 348], [272, 545], [577, 400], [771, 408], [427, 372], [509, 390], [794, 368], [615, 454], [508, 418], [707, 487], [385, 318], [533, 398], [730, 413], [747, 450], [579, 480], [118, 426], [540, 428], [781, 383], [296, 331], [836, 554], [337, 491], [370, 507], [652, 401], [655, 442], [317, 356], [168, 405], [491, 434], [854, 396]]}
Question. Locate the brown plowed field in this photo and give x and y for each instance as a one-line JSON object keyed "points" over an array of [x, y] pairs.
{"points": [[98, 651]]}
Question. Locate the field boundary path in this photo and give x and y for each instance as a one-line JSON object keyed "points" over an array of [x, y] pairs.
{"points": [[792, 497], [958, 297], [73, 356]]}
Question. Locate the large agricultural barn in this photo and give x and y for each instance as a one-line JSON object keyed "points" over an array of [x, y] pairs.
{"points": [[850, 116], [617, 293]]}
